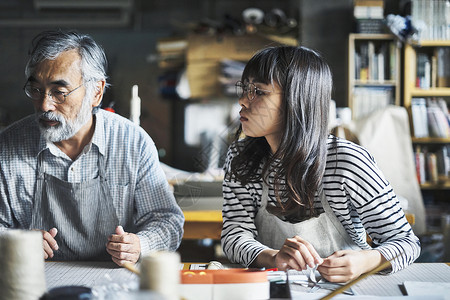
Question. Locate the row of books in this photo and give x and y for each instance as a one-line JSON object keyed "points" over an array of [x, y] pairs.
{"points": [[432, 166], [368, 9], [430, 117], [375, 61], [369, 16], [171, 53], [433, 70], [431, 18], [368, 99]]}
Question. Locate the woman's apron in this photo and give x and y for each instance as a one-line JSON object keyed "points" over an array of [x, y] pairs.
{"points": [[325, 232], [82, 212]]}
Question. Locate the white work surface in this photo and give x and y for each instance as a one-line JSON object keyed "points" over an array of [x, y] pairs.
{"points": [[430, 276], [106, 277]]}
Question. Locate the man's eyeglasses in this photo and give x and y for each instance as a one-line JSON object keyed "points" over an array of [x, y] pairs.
{"points": [[56, 95], [250, 89]]}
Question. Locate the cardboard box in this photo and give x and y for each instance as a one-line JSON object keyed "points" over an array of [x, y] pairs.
{"points": [[205, 52], [203, 78], [217, 47]]}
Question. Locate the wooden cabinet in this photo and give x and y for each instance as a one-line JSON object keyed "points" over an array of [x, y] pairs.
{"points": [[414, 92], [373, 72]]}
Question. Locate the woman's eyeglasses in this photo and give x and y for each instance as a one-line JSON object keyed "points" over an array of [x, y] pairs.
{"points": [[250, 90]]}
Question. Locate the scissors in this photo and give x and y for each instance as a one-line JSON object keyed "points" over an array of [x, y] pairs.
{"points": [[316, 283]]}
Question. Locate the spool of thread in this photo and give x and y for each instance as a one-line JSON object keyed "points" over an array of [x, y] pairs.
{"points": [[160, 272], [22, 264]]}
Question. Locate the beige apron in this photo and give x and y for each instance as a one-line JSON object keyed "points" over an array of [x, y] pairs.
{"points": [[82, 212], [325, 232]]}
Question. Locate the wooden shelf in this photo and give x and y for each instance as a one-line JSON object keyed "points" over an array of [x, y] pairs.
{"points": [[430, 140], [371, 36], [436, 186], [375, 82], [431, 92], [355, 41], [410, 91], [431, 43], [202, 224]]}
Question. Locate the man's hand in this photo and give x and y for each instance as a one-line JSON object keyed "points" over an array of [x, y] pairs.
{"points": [[346, 265], [50, 243], [124, 247]]}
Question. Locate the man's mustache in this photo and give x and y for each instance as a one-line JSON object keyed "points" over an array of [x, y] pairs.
{"points": [[49, 116]]}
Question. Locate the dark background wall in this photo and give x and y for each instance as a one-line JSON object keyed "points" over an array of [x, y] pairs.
{"points": [[129, 38]]}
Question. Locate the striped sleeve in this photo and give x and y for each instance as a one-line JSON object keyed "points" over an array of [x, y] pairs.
{"points": [[364, 202], [239, 210]]}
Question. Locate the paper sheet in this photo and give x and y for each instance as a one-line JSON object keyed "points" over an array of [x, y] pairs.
{"points": [[390, 285], [417, 288], [89, 274]]}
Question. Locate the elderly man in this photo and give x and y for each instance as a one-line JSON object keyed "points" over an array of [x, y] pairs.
{"points": [[88, 179]]}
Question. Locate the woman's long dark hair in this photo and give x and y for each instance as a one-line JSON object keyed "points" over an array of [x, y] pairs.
{"points": [[305, 81]]}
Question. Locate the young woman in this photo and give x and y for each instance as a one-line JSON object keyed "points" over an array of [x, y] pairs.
{"points": [[297, 196]]}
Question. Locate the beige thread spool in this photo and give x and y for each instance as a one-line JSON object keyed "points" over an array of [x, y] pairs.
{"points": [[22, 264], [160, 272]]}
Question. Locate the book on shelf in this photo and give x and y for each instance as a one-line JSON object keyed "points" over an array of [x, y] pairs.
{"points": [[431, 19], [433, 70], [437, 119], [443, 161], [375, 62], [363, 63], [419, 117], [368, 99], [393, 60], [432, 166], [420, 165], [372, 67], [430, 117], [423, 78], [443, 65]]}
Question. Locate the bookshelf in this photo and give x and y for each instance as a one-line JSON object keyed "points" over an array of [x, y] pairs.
{"points": [[373, 72], [426, 140]]}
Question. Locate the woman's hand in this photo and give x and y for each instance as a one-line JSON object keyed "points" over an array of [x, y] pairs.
{"points": [[296, 253], [346, 265]]}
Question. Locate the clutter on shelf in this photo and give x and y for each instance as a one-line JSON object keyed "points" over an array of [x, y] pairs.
{"points": [[209, 57]]}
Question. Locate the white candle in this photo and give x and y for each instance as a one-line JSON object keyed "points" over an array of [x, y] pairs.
{"points": [[135, 105]]}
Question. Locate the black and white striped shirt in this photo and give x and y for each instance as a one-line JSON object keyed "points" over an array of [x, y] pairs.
{"points": [[359, 195]]}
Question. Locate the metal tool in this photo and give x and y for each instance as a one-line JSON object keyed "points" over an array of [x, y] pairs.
{"points": [[322, 284]]}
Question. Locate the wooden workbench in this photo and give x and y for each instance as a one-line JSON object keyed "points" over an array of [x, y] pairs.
{"points": [[202, 224]]}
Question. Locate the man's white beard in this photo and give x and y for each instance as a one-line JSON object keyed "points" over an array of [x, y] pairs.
{"points": [[66, 128]]}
